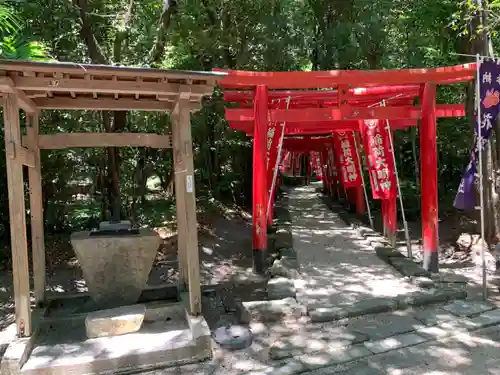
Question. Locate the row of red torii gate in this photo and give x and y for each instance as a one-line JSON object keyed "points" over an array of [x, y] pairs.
{"points": [[332, 116]]}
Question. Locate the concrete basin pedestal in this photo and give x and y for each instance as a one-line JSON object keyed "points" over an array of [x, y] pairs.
{"points": [[116, 266]]}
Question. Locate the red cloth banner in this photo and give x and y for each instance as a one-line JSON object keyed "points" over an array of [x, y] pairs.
{"points": [[347, 159], [285, 163], [380, 159]]}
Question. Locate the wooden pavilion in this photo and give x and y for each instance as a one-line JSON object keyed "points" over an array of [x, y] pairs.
{"points": [[34, 86]]}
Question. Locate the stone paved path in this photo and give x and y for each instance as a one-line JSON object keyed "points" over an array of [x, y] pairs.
{"points": [[460, 337], [451, 339], [337, 268]]}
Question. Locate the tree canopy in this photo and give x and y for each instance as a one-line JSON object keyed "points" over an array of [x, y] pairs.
{"points": [[278, 35]]}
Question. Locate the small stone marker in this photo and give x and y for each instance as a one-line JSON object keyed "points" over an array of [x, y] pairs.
{"points": [[114, 322]]}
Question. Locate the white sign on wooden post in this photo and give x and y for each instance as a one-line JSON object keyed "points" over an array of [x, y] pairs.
{"points": [[189, 183]]}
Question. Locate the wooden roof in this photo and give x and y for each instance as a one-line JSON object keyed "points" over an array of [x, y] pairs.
{"points": [[56, 85]]}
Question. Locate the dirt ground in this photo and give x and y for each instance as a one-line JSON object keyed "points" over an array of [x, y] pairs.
{"points": [[225, 251]]}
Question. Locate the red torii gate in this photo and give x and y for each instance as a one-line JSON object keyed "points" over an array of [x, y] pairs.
{"points": [[315, 108]]}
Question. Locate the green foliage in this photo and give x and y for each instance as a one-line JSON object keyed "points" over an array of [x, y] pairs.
{"points": [[246, 34]]}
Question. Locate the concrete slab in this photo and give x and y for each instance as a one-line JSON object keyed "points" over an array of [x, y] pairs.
{"points": [[487, 319], [62, 347], [313, 362], [314, 340], [468, 308], [432, 315], [16, 355], [116, 267], [394, 342], [381, 326]]}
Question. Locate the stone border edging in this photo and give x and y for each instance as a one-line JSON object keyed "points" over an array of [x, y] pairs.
{"points": [[431, 292], [284, 269], [338, 360]]}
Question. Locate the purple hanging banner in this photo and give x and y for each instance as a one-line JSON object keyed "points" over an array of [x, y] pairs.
{"points": [[489, 97]]}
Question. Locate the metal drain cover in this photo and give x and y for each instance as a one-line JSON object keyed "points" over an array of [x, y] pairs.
{"points": [[233, 337]]}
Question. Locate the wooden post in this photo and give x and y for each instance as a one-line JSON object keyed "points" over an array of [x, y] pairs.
{"points": [[360, 201], [383, 209], [179, 181], [36, 211], [186, 200], [259, 192], [428, 178], [392, 219], [17, 216]]}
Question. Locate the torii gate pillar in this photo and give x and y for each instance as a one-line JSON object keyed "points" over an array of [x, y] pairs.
{"points": [[259, 185], [429, 178]]}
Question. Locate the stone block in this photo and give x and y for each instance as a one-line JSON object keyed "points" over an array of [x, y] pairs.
{"points": [[407, 267], [114, 322], [116, 267], [385, 252], [288, 252], [450, 278], [280, 288], [284, 267], [269, 311], [423, 282], [121, 225], [368, 306], [428, 297], [283, 239], [394, 342]]}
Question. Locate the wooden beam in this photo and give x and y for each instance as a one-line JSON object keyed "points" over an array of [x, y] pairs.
{"points": [[103, 86], [36, 211], [77, 140], [103, 104], [349, 113], [333, 78], [17, 216], [186, 199], [108, 104]]}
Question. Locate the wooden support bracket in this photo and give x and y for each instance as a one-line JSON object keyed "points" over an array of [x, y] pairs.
{"points": [[25, 156], [28, 105]]}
